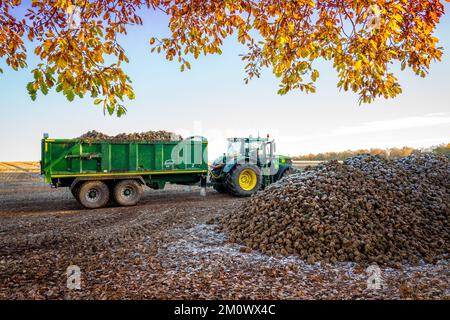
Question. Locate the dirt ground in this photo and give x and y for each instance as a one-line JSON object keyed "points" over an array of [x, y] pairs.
{"points": [[165, 248]]}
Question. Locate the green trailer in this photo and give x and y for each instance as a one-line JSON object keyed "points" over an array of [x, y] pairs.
{"points": [[99, 171]]}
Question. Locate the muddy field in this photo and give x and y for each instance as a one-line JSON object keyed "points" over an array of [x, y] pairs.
{"points": [[165, 248]]}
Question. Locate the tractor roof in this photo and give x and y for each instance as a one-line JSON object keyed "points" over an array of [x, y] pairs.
{"points": [[248, 139]]}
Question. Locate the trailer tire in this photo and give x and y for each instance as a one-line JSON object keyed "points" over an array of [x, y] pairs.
{"points": [[245, 180], [74, 191], [93, 194], [127, 192]]}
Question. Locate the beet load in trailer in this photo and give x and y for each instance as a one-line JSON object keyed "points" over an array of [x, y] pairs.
{"points": [[99, 171]]}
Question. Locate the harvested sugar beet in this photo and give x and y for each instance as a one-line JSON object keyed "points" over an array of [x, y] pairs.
{"points": [[367, 210]]}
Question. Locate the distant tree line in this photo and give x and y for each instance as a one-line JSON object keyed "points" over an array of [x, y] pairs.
{"points": [[389, 153]]}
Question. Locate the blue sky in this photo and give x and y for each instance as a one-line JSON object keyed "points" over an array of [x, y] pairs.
{"points": [[212, 100]]}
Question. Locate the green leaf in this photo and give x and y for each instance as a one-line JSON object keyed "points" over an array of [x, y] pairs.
{"points": [[121, 111], [403, 65], [30, 87], [59, 87], [282, 91], [37, 74], [70, 95], [131, 95], [111, 109], [44, 89], [98, 101]]}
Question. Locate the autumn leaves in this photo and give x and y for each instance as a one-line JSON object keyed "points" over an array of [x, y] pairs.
{"points": [[287, 37], [361, 38]]}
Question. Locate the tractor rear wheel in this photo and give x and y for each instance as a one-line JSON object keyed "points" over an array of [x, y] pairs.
{"points": [[127, 192], [93, 194], [245, 180]]}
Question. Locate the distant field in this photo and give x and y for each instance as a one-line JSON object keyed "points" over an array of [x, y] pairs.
{"points": [[19, 167], [303, 164]]}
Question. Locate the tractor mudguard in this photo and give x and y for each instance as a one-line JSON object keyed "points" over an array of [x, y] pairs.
{"points": [[281, 171]]}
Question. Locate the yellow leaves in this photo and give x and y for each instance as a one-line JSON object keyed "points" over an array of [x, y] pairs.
{"points": [[47, 44], [61, 62], [278, 69], [271, 10], [314, 75], [288, 41], [291, 27], [283, 40], [286, 36], [185, 65], [303, 52], [242, 36]]}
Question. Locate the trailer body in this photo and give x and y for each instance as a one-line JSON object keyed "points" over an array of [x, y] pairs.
{"points": [[71, 162]]}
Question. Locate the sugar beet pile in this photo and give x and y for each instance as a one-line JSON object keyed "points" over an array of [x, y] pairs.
{"points": [[366, 210], [161, 135]]}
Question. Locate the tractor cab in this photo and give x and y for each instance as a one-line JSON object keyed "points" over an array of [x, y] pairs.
{"points": [[259, 151], [249, 165]]}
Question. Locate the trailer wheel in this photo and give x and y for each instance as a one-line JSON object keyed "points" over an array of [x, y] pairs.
{"points": [[127, 192], [245, 180], [93, 194], [75, 191]]}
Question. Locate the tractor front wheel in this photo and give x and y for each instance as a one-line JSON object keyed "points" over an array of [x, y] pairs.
{"points": [[245, 180]]}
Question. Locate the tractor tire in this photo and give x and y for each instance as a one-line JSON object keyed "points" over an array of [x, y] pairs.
{"points": [[220, 188], [93, 194], [127, 192], [244, 181]]}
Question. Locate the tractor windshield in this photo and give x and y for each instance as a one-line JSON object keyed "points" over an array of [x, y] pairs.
{"points": [[251, 149], [235, 148]]}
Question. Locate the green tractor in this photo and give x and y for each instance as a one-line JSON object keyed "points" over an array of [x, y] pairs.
{"points": [[249, 165]]}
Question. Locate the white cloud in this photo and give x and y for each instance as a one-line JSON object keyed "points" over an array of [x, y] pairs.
{"points": [[395, 124], [361, 136]]}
